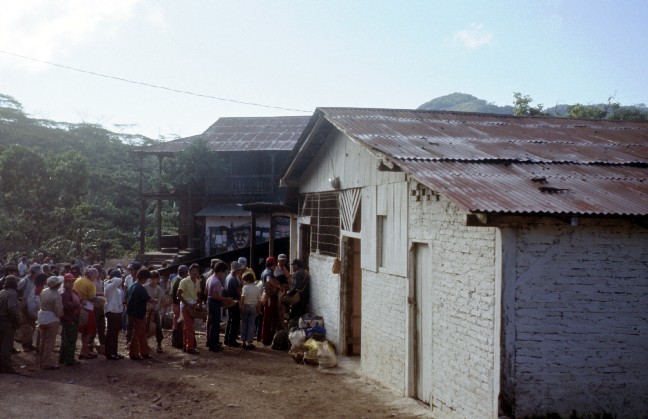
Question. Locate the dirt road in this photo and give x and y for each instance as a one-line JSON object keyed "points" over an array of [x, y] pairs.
{"points": [[235, 383]]}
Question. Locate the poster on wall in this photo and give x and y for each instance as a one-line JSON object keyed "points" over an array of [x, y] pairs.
{"points": [[226, 238], [281, 227]]}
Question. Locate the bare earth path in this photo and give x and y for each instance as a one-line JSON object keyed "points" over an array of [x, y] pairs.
{"points": [[233, 384]]}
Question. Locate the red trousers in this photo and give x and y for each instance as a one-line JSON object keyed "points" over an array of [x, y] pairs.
{"points": [[188, 338]]}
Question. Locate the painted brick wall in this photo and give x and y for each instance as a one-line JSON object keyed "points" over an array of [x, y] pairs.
{"points": [[582, 318], [325, 295], [463, 293], [384, 310]]}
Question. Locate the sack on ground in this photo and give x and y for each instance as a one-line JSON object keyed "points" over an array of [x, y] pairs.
{"points": [[318, 333], [326, 355], [297, 337], [280, 341], [310, 320], [297, 353]]}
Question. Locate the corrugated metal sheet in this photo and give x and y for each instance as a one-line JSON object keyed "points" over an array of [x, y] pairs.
{"points": [[242, 134], [506, 164]]}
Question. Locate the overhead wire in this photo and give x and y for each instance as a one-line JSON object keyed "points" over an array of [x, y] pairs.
{"points": [[156, 86]]}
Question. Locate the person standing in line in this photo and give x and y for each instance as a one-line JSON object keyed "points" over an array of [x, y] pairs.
{"points": [[131, 278], [99, 311], [85, 288], [301, 285], [250, 304], [155, 292], [233, 291], [188, 291], [71, 309], [136, 311], [49, 319], [10, 319], [215, 302], [183, 270], [113, 309]]}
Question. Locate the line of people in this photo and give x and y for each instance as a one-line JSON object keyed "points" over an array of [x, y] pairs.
{"points": [[96, 305]]}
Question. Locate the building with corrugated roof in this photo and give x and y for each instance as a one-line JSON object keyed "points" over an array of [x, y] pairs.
{"points": [[239, 208], [488, 264]]}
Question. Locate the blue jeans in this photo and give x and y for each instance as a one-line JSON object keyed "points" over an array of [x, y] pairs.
{"points": [[248, 318], [213, 323]]}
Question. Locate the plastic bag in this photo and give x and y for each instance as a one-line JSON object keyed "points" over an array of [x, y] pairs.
{"points": [[326, 355], [297, 337]]}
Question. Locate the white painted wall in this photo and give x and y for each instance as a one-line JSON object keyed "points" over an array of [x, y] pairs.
{"points": [[463, 318], [325, 295], [581, 318]]}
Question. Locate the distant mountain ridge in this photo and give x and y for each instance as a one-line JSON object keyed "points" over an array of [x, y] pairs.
{"points": [[463, 102]]}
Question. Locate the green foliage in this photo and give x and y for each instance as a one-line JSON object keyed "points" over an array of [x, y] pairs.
{"points": [[193, 168], [67, 189], [522, 106]]}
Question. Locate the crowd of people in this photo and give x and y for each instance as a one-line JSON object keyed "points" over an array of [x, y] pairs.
{"points": [[68, 300]]}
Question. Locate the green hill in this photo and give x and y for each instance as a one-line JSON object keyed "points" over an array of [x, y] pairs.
{"points": [[463, 102]]}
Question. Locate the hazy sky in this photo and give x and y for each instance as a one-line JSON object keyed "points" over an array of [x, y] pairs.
{"points": [[303, 54]]}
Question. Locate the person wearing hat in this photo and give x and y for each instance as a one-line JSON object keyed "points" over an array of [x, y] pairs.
{"points": [[10, 319], [301, 285], [69, 321], [49, 319], [137, 300], [242, 262], [233, 291]]}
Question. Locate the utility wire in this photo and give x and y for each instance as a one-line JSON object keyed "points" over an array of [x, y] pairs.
{"points": [[151, 85]]}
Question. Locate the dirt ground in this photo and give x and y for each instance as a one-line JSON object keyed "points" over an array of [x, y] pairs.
{"points": [[235, 383]]}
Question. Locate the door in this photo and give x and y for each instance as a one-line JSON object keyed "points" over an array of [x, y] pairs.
{"points": [[423, 324], [352, 296]]}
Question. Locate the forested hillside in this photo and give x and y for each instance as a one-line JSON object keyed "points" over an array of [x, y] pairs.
{"points": [[66, 189]]}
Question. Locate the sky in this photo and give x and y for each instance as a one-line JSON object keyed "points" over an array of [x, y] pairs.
{"points": [[98, 61]]}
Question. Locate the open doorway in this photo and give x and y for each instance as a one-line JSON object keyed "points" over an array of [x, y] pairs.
{"points": [[352, 296]]}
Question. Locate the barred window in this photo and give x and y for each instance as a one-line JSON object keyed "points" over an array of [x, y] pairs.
{"points": [[324, 210]]}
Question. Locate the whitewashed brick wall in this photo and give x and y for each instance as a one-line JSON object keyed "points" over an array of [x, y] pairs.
{"points": [[384, 310], [581, 320], [325, 295], [463, 272]]}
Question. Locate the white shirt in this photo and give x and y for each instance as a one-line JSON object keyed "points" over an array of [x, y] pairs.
{"points": [[114, 297]]}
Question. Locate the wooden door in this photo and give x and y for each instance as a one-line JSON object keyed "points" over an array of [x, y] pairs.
{"points": [[423, 331]]}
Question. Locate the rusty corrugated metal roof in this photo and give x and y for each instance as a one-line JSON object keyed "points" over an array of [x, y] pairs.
{"points": [[241, 134], [506, 164]]}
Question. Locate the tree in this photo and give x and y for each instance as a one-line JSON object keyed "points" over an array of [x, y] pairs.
{"points": [[522, 106]]}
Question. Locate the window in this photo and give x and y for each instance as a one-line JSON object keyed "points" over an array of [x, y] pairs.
{"points": [[324, 211]]}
